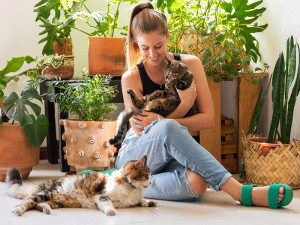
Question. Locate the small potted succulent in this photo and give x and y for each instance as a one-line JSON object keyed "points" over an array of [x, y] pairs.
{"points": [[86, 137], [53, 66], [21, 138]]}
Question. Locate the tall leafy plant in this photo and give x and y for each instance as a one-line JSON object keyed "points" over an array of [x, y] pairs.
{"points": [[52, 14], [284, 95], [100, 23], [214, 25]]}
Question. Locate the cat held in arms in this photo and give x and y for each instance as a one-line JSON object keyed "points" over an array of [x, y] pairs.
{"points": [[162, 102], [123, 189]]}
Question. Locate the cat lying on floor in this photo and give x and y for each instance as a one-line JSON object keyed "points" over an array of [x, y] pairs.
{"points": [[122, 189]]}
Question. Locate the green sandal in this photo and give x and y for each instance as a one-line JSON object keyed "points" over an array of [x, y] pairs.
{"points": [[272, 195]]}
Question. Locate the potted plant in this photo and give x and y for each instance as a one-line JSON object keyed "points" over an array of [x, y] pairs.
{"points": [[106, 52], [277, 155], [53, 66], [53, 14], [220, 34], [86, 138], [21, 139]]}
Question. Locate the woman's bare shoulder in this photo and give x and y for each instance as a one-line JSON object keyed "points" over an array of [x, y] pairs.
{"points": [[190, 60], [131, 75]]}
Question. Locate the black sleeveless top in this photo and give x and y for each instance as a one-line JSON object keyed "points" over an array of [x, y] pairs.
{"points": [[148, 85]]}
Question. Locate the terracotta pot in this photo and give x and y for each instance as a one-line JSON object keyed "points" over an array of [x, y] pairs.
{"points": [[265, 147], [86, 144], [106, 55], [64, 72], [66, 49], [16, 151], [1, 105]]}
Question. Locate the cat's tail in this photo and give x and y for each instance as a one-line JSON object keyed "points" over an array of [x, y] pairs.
{"points": [[16, 189], [122, 121]]}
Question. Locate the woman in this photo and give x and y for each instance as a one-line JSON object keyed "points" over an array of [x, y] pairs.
{"points": [[181, 168]]}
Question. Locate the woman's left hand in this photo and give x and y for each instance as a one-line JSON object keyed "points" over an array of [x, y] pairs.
{"points": [[145, 118]]}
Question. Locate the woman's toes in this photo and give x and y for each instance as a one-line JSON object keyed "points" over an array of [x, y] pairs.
{"points": [[280, 194]]}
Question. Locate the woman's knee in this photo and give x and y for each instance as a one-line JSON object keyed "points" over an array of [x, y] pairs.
{"points": [[198, 184], [169, 127]]}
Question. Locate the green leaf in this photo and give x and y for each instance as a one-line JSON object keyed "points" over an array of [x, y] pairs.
{"points": [[226, 6], [292, 101], [258, 109], [206, 53], [217, 78], [13, 65], [221, 37], [229, 44], [278, 76], [36, 131], [236, 52]]}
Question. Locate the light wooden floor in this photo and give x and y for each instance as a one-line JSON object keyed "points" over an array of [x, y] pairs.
{"points": [[215, 208]]}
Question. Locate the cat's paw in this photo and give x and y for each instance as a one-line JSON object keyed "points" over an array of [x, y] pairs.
{"points": [[129, 91], [146, 203], [110, 212], [152, 204], [18, 210], [46, 209]]}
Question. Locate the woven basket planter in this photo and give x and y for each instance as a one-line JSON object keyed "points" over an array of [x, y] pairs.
{"points": [[280, 165]]}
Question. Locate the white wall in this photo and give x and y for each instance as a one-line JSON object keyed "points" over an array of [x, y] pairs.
{"points": [[19, 37]]}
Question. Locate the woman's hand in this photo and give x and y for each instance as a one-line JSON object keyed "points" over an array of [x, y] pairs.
{"points": [[188, 96], [142, 120]]}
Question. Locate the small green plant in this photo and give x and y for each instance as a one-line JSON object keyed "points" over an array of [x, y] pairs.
{"points": [[283, 101], [89, 100]]}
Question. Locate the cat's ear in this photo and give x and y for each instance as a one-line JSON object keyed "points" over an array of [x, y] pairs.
{"points": [[168, 60], [142, 162]]}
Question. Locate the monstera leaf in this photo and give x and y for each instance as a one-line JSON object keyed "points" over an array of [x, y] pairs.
{"points": [[37, 130], [17, 109]]}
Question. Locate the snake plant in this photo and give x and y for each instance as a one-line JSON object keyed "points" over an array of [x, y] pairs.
{"points": [[283, 99]]}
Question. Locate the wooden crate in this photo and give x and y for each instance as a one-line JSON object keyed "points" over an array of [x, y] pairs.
{"points": [[228, 144], [229, 161]]}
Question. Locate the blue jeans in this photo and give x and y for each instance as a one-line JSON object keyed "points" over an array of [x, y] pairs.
{"points": [[170, 150]]}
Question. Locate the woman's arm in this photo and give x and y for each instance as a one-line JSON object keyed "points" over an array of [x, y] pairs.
{"points": [[131, 79]]}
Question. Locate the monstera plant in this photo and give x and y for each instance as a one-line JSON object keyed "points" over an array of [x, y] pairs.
{"points": [[16, 107]]}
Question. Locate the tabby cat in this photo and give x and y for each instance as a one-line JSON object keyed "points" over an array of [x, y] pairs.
{"points": [[122, 189], [162, 102]]}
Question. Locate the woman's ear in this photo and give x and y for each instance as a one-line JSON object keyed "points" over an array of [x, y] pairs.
{"points": [[168, 35]]}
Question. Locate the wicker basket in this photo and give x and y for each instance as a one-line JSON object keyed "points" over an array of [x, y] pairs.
{"points": [[280, 165]]}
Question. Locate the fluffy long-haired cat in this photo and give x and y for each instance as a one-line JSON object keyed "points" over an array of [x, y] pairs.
{"points": [[93, 190], [162, 102]]}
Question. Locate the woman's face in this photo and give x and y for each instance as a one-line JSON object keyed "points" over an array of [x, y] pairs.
{"points": [[152, 46]]}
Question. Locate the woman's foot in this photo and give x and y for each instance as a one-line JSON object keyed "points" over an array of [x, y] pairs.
{"points": [[259, 194]]}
